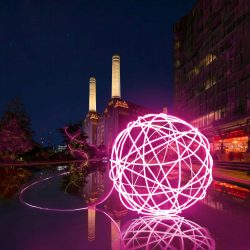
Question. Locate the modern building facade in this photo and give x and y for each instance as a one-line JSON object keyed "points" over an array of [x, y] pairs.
{"points": [[103, 129], [212, 74]]}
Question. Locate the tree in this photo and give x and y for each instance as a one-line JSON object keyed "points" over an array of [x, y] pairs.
{"points": [[11, 179], [16, 136]]}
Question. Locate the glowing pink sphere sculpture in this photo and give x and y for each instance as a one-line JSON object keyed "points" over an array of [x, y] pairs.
{"points": [[160, 165]]}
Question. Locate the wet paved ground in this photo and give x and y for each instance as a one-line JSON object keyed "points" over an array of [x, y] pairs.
{"points": [[220, 218], [236, 176]]}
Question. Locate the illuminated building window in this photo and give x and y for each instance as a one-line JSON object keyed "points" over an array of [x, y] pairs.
{"points": [[195, 71], [177, 63], [177, 45], [236, 144], [209, 83], [94, 116], [217, 115], [208, 59], [205, 62], [122, 104], [207, 120]]}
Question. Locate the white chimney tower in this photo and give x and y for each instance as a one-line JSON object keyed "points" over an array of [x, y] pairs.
{"points": [[92, 94], [116, 84]]}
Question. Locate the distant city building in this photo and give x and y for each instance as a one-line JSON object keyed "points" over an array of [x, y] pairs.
{"points": [[102, 129], [212, 74], [61, 148]]}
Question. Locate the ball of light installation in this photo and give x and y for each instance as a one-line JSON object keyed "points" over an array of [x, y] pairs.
{"points": [[160, 165]]}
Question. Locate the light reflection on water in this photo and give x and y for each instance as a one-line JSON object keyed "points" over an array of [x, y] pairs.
{"points": [[151, 232], [99, 225], [92, 188]]}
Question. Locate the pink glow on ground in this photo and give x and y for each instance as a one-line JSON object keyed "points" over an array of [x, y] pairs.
{"points": [[160, 165], [165, 233]]}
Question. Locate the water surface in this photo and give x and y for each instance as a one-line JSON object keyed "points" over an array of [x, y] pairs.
{"points": [[69, 211]]}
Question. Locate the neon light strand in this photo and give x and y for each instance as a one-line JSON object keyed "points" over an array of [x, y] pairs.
{"points": [[172, 233], [73, 139], [160, 165], [29, 204]]}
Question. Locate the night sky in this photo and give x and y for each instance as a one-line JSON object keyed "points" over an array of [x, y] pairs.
{"points": [[50, 49]]}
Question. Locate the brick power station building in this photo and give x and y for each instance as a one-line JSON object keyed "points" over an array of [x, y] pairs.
{"points": [[212, 74], [103, 128]]}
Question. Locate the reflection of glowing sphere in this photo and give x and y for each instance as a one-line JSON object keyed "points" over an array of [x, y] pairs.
{"points": [[160, 165], [173, 233]]}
